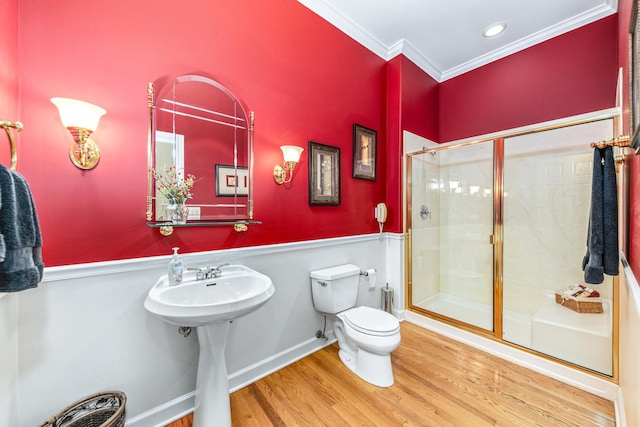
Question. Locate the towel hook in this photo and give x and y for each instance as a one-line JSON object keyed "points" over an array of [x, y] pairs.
{"points": [[8, 126]]}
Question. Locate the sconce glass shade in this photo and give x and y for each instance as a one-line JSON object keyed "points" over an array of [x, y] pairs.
{"points": [[81, 119], [291, 153], [284, 174], [78, 114]]}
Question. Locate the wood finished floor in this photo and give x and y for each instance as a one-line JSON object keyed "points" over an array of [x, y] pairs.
{"points": [[438, 382]]}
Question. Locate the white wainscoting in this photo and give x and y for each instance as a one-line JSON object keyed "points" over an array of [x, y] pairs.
{"points": [[629, 413], [8, 360], [84, 329]]}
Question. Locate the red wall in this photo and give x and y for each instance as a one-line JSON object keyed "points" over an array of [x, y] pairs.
{"points": [[570, 74], [8, 72], [304, 79], [624, 16], [412, 105], [420, 101]]}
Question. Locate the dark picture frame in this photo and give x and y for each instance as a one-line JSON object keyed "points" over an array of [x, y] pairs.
{"points": [[364, 152], [232, 181], [634, 78], [324, 175]]}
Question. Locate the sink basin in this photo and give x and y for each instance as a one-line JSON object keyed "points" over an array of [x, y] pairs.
{"points": [[210, 305], [238, 291]]}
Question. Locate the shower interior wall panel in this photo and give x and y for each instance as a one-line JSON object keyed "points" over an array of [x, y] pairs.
{"points": [[426, 261], [547, 196], [457, 281], [547, 193], [466, 175]]}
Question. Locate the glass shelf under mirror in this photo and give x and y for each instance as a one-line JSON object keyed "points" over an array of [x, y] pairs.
{"points": [[166, 228]]}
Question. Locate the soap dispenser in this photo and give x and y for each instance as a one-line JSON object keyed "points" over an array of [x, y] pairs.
{"points": [[175, 268]]}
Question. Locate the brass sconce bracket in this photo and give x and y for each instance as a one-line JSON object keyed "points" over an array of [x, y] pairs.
{"points": [[84, 153], [279, 174]]}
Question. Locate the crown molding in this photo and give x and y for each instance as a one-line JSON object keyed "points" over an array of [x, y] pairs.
{"points": [[353, 30], [406, 48]]}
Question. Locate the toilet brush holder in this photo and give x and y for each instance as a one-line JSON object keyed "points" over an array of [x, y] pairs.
{"points": [[386, 303]]}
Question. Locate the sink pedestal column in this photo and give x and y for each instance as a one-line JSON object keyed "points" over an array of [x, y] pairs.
{"points": [[212, 384]]}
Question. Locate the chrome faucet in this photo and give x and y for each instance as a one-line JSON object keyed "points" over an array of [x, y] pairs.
{"points": [[209, 272]]}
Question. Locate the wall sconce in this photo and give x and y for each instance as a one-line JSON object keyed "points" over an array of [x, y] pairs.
{"points": [[283, 174], [81, 119]]}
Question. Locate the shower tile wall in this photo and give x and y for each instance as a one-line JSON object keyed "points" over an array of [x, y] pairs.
{"points": [[452, 268], [547, 194], [426, 229], [467, 222]]}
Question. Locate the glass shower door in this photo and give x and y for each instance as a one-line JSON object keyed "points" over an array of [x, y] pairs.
{"points": [[547, 195], [451, 218]]}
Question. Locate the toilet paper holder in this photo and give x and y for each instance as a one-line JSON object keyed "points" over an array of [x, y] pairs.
{"points": [[370, 275]]}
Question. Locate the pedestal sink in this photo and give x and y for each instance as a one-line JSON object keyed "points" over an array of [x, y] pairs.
{"points": [[210, 305]]}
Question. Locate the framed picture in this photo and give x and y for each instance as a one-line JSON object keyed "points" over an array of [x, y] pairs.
{"points": [[232, 181], [634, 66], [324, 174], [364, 153]]}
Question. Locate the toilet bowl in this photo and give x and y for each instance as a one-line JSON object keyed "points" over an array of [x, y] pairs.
{"points": [[366, 336]]}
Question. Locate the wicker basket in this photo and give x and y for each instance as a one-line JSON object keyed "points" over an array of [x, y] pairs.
{"points": [[106, 409], [581, 305]]}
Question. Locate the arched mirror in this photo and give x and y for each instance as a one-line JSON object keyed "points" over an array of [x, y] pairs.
{"points": [[200, 130]]}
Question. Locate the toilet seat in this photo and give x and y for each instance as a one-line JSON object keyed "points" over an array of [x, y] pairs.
{"points": [[371, 321]]}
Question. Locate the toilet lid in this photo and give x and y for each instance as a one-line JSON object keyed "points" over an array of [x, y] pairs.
{"points": [[371, 321]]}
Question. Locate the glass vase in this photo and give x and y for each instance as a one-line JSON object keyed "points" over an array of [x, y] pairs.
{"points": [[177, 213]]}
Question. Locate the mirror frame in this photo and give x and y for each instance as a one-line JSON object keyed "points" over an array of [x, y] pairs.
{"points": [[240, 221]]}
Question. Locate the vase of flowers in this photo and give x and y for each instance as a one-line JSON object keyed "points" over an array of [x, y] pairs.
{"points": [[176, 188], [178, 213]]}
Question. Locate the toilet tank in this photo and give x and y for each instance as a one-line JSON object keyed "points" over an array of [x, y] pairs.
{"points": [[335, 289]]}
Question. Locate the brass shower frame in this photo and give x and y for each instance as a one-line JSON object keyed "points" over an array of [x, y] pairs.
{"points": [[497, 238]]}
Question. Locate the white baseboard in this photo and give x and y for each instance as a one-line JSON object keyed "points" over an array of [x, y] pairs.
{"points": [[618, 406], [168, 412], [253, 373]]}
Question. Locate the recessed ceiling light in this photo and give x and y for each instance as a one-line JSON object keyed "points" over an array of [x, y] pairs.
{"points": [[494, 30]]}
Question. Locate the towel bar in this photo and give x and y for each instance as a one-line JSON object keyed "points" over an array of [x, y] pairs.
{"points": [[8, 126], [620, 141]]}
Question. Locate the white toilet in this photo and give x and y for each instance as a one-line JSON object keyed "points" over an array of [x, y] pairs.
{"points": [[366, 335]]}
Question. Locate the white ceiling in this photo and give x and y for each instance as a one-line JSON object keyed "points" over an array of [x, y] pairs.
{"points": [[444, 37]]}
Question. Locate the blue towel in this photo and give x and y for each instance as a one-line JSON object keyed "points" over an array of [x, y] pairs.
{"points": [[21, 264], [602, 238]]}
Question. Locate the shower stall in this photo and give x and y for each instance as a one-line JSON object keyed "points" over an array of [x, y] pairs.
{"points": [[495, 227]]}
